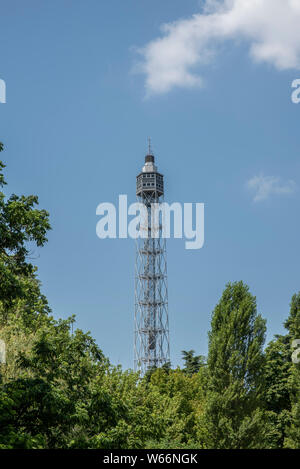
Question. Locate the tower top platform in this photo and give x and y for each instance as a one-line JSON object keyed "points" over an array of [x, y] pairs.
{"points": [[150, 180]]}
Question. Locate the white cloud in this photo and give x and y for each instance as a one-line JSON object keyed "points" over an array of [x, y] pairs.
{"points": [[271, 27], [265, 186]]}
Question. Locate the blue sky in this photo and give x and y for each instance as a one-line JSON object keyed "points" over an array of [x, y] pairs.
{"points": [[75, 127]]}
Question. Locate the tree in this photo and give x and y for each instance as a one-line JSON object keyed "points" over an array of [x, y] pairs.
{"points": [[20, 223], [277, 391], [292, 324], [234, 417], [176, 400], [192, 362], [50, 398]]}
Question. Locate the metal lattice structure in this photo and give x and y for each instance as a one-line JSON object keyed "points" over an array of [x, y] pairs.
{"points": [[151, 342]]}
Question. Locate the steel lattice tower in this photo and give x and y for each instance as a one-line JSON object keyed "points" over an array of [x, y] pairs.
{"points": [[151, 341]]}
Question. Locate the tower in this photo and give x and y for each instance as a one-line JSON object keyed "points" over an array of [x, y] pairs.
{"points": [[151, 337]]}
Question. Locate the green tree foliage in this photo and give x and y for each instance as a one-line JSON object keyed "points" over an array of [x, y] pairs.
{"points": [[233, 416], [278, 387], [282, 383], [177, 400], [192, 362], [292, 324]]}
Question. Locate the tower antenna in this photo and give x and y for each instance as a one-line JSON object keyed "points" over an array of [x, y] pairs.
{"points": [[149, 146]]}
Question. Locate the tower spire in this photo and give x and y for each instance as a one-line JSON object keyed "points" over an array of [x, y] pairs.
{"points": [[149, 147]]}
